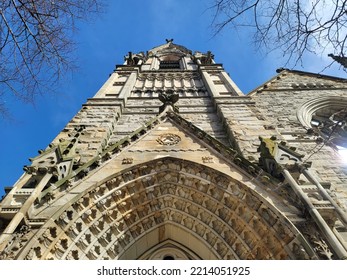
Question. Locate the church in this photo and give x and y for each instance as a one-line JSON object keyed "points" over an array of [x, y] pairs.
{"points": [[171, 161]]}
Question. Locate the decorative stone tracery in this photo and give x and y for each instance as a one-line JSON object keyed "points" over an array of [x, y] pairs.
{"points": [[327, 117], [168, 199]]}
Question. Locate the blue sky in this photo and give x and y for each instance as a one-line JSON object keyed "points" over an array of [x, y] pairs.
{"points": [[132, 25]]}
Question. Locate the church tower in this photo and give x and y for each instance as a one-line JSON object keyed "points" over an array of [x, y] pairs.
{"points": [[170, 160]]}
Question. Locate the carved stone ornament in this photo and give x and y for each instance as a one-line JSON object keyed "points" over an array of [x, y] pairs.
{"points": [[207, 159], [127, 160], [168, 139]]}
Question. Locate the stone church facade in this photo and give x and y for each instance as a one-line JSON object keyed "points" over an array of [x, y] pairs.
{"points": [[170, 160]]}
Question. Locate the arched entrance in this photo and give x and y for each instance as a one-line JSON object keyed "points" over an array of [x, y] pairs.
{"points": [[168, 203]]}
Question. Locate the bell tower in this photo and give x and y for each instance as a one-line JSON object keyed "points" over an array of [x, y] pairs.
{"points": [[163, 163]]}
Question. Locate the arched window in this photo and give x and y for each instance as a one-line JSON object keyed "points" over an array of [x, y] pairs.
{"points": [[328, 116]]}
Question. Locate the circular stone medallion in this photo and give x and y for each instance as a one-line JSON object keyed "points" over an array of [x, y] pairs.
{"points": [[168, 139]]}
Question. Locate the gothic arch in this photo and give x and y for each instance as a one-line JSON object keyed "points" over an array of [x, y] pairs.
{"points": [[309, 108], [326, 116], [169, 249], [211, 214]]}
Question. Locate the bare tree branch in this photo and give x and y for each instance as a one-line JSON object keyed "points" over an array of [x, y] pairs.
{"points": [[36, 43], [294, 26]]}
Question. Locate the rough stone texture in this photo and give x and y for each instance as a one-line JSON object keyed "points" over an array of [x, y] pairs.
{"points": [[123, 181], [284, 105]]}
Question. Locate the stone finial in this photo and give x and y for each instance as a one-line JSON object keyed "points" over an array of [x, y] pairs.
{"points": [[130, 59], [207, 58]]}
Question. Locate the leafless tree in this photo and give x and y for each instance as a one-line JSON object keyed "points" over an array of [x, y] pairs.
{"points": [[296, 27], [36, 44]]}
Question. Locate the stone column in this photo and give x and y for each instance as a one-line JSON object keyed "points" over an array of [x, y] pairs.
{"points": [[128, 86], [109, 83], [11, 227], [229, 83], [209, 83]]}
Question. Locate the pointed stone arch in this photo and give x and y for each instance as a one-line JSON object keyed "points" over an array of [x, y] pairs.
{"points": [[169, 250], [207, 212]]}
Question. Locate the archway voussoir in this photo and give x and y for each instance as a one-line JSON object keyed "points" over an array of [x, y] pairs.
{"points": [[152, 202]]}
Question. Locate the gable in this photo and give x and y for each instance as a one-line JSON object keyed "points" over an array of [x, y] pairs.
{"points": [[298, 81]]}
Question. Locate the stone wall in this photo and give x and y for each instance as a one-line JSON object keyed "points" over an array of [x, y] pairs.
{"points": [[279, 102]]}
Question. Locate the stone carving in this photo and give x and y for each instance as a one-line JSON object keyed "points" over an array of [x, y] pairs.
{"points": [[188, 222], [236, 225], [244, 213], [59, 249], [38, 252], [113, 251], [207, 159], [193, 210], [147, 224], [240, 250], [65, 218], [219, 210], [94, 252], [224, 214], [211, 205], [299, 252], [268, 215], [30, 255], [221, 249], [124, 206], [130, 219], [177, 217], [130, 59], [136, 231], [180, 204], [198, 198], [124, 240], [82, 243], [89, 215], [200, 229], [217, 226], [118, 195], [249, 238], [211, 238], [169, 98], [127, 160], [216, 193], [271, 244], [158, 217], [47, 237], [252, 201], [143, 210], [201, 186], [259, 227], [320, 246], [72, 255], [113, 183], [103, 204], [229, 237], [207, 58], [168, 139], [168, 201], [205, 217], [97, 227], [17, 242], [75, 229]]}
